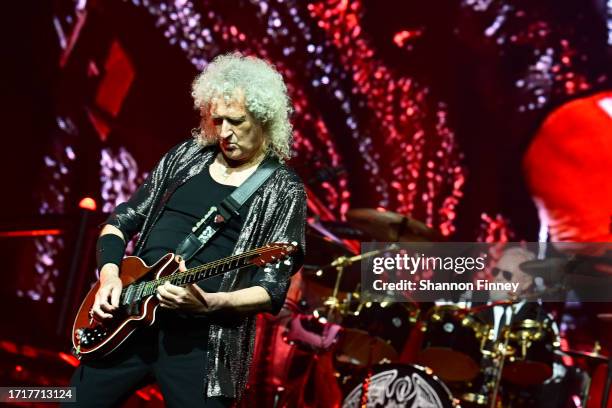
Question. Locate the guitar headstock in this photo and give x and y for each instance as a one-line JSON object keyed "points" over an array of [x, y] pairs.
{"points": [[273, 252]]}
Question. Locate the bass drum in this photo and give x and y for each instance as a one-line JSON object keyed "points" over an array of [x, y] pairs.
{"points": [[405, 386], [375, 331], [452, 345]]}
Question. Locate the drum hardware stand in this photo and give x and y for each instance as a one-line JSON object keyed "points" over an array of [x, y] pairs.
{"points": [[340, 263], [503, 351], [606, 391], [333, 302], [483, 395], [277, 395]]}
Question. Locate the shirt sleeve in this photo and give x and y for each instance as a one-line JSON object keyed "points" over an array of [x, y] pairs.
{"points": [[129, 216], [288, 226], [275, 282]]}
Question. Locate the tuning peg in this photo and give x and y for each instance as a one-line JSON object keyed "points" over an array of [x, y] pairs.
{"points": [[287, 262], [277, 265], [294, 243]]}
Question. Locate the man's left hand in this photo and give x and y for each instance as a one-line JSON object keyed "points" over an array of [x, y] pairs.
{"points": [[190, 298]]}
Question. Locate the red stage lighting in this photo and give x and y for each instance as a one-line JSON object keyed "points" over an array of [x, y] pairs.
{"points": [[88, 203], [402, 37], [30, 233], [568, 167], [73, 361]]}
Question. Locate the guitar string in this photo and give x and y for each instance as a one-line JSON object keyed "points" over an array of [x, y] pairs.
{"points": [[214, 263], [217, 263], [210, 265], [149, 287]]}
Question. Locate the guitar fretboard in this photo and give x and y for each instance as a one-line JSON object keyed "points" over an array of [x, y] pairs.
{"points": [[137, 291]]}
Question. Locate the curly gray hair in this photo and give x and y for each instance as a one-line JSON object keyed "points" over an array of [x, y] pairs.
{"points": [[264, 91]]}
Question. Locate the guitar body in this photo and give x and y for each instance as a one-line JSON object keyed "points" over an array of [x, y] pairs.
{"points": [[107, 336], [138, 302]]}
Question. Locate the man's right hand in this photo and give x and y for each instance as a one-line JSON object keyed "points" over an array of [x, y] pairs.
{"points": [[107, 297]]}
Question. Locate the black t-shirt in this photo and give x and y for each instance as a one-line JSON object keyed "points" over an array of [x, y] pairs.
{"points": [[188, 204]]}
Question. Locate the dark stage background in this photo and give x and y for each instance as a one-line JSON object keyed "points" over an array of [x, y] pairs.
{"points": [[425, 108]]}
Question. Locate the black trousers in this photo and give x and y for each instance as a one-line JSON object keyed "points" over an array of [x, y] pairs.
{"points": [[174, 354]]}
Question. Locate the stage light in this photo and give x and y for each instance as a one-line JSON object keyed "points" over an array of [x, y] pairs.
{"points": [[402, 37], [71, 360], [88, 203], [30, 233]]}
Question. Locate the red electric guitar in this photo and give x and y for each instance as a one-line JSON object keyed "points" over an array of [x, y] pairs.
{"points": [[138, 303]]}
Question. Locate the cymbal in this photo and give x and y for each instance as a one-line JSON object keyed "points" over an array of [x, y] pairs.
{"points": [[539, 266], [549, 269], [589, 355], [345, 230], [553, 269], [605, 317], [388, 226]]}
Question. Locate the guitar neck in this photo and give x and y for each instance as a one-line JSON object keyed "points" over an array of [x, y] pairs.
{"points": [[206, 271], [139, 291]]}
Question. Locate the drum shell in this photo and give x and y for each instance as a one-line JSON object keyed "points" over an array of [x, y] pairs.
{"points": [[396, 385], [451, 343], [596, 388]]}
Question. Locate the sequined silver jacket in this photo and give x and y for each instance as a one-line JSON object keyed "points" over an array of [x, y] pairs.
{"points": [[277, 214]]}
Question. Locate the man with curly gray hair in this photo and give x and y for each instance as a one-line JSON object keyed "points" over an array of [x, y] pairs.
{"points": [[200, 346], [252, 83]]}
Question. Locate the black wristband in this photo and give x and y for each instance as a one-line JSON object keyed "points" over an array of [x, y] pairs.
{"points": [[109, 249]]}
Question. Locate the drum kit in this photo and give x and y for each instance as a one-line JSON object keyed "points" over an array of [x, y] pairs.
{"points": [[408, 354]]}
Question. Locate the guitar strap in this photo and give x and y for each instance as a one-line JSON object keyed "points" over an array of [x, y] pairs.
{"points": [[204, 229]]}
